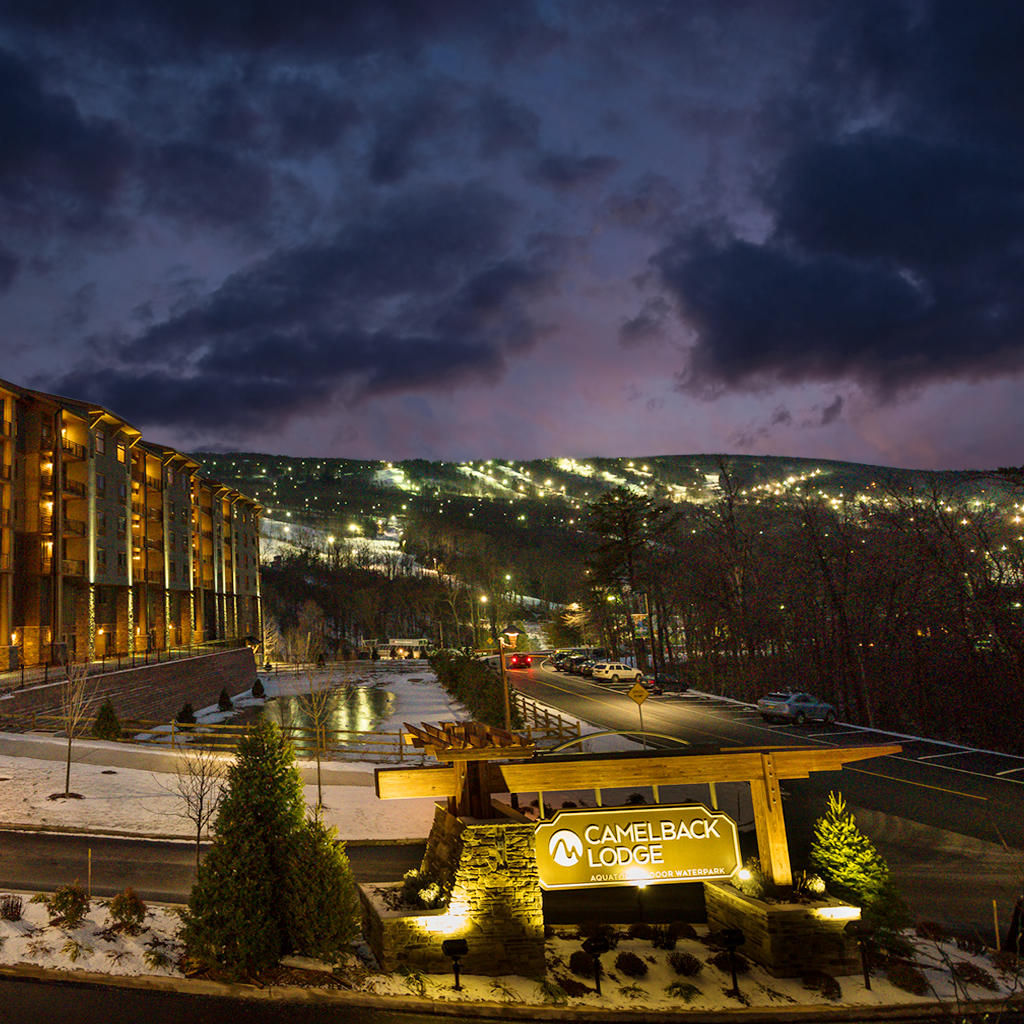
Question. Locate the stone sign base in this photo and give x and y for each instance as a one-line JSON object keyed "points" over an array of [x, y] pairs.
{"points": [[787, 939], [495, 902]]}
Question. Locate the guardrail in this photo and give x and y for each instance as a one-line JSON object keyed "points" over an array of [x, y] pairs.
{"points": [[542, 722]]}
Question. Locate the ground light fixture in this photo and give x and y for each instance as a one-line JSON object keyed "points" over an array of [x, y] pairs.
{"points": [[862, 932], [455, 950], [595, 946], [732, 939]]}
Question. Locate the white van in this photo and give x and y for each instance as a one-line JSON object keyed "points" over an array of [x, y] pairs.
{"points": [[614, 671]]}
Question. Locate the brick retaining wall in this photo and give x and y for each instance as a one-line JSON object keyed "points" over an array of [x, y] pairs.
{"points": [[154, 692]]}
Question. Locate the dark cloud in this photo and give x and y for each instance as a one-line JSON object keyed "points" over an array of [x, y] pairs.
{"points": [[9, 264], [402, 130], [565, 171], [648, 204], [892, 244], [832, 411], [56, 165], [504, 125], [421, 295], [648, 324]]}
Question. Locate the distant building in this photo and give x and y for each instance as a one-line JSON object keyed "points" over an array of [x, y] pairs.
{"points": [[110, 544]]}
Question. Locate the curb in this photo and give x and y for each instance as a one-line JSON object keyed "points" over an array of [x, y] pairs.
{"points": [[488, 1010]]}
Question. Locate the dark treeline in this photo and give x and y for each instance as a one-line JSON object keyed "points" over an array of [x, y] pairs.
{"points": [[903, 608]]}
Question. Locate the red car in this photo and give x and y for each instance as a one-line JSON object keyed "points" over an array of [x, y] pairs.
{"points": [[518, 661]]}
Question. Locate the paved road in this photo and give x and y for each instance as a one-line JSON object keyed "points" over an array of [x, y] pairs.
{"points": [[950, 820], [158, 870], [29, 1002]]}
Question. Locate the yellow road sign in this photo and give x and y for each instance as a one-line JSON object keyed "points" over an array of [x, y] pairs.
{"points": [[638, 693]]}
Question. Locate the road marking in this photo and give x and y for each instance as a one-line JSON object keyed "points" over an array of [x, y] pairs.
{"points": [[910, 782], [1010, 771], [948, 753]]}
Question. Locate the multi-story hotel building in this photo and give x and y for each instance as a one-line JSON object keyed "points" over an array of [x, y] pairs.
{"points": [[110, 544]]}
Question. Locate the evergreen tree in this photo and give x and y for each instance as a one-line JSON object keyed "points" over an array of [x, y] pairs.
{"points": [[853, 868], [235, 919], [106, 725], [320, 896]]}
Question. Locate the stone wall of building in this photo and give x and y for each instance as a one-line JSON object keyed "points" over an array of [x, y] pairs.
{"points": [[495, 902], [787, 939]]}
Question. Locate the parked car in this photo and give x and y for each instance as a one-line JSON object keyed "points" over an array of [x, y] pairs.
{"points": [[573, 663], [518, 660], [669, 679], [585, 667], [615, 671], [795, 707], [561, 660]]}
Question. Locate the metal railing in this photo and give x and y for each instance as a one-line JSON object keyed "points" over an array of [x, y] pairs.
{"points": [[543, 723], [73, 448]]}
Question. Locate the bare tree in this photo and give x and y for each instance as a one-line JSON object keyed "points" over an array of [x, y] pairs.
{"points": [[74, 704], [199, 777], [316, 706]]}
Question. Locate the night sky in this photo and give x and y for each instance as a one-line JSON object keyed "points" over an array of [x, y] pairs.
{"points": [[496, 228]]}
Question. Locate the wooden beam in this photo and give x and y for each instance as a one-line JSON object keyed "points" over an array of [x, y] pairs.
{"points": [[770, 823], [402, 783]]}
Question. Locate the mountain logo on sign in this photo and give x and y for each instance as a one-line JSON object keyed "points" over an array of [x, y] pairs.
{"points": [[565, 848]]}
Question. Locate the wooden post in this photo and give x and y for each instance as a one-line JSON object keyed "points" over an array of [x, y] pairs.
{"points": [[770, 823]]}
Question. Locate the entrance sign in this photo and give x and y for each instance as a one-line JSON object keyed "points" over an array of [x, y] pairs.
{"points": [[635, 846]]}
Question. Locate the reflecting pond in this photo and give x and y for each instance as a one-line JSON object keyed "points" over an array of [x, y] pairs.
{"points": [[349, 709]]}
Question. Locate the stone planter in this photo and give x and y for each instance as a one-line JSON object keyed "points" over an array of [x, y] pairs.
{"points": [[787, 939], [495, 903]]}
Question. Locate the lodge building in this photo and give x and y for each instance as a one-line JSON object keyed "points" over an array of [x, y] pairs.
{"points": [[111, 544]]}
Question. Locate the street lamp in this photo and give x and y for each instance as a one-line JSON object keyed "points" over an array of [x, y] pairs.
{"points": [[476, 635]]}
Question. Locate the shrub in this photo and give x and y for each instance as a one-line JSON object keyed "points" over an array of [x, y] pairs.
{"points": [[931, 931], [586, 931], [971, 974], [581, 963], [67, 906], [1006, 960], [421, 890], [106, 726], [10, 907], [684, 963], [127, 912], [474, 684], [722, 962], [906, 976], [663, 938], [321, 906], [257, 688], [224, 701], [683, 990], [751, 879], [630, 965], [823, 982], [636, 799], [187, 715], [682, 930], [640, 930]]}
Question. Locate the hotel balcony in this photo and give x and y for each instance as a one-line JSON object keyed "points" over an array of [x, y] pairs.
{"points": [[72, 449]]}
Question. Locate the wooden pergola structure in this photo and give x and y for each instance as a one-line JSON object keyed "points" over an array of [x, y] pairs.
{"points": [[481, 761]]}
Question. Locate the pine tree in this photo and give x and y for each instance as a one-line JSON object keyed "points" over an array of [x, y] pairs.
{"points": [[106, 725], [235, 919], [320, 896], [853, 868]]}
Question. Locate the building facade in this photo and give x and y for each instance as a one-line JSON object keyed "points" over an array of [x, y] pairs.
{"points": [[110, 544]]}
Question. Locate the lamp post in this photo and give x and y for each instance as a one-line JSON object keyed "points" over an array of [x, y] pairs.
{"points": [[483, 608], [504, 683]]}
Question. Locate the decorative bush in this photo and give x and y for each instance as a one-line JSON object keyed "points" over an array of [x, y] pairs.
{"points": [[106, 726], [684, 963], [931, 931], [187, 715], [682, 930], [823, 982], [751, 879], [421, 890], [1007, 961], [640, 930], [906, 976], [683, 990], [10, 907], [224, 701], [581, 964], [67, 906], [971, 974], [662, 937], [321, 905], [127, 912], [636, 799], [630, 965], [586, 931], [257, 688], [474, 684], [721, 961]]}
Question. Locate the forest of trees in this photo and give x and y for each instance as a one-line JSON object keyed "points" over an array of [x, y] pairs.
{"points": [[902, 608]]}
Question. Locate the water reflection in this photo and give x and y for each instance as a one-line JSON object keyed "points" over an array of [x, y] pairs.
{"points": [[349, 709]]}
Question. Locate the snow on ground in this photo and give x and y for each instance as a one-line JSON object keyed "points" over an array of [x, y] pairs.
{"points": [[128, 788]]}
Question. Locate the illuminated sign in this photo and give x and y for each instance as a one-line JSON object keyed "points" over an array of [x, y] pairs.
{"points": [[635, 846]]}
